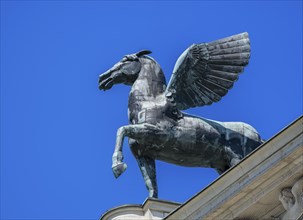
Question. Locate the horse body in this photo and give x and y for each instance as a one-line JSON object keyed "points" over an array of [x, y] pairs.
{"points": [[159, 131]]}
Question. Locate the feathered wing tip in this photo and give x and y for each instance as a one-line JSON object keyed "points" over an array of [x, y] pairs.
{"points": [[232, 38], [233, 51], [227, 59], [205, 72]]}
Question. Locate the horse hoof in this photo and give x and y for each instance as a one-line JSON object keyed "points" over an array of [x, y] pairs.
{"points": [[118, 169], [234, 162]]}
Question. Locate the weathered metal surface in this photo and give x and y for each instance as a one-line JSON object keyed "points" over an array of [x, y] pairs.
{"points": [[158, 130]]}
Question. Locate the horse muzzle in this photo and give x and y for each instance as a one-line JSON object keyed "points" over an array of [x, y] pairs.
{"points": [[106, 80]]}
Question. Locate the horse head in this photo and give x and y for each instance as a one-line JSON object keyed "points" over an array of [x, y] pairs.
{"points": [[125, 71]]}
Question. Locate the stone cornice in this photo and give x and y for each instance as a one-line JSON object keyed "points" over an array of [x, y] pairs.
{"points": [[150, 209]]}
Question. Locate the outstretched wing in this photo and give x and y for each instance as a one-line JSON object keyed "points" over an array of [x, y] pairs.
{"points": [[205, 72]]}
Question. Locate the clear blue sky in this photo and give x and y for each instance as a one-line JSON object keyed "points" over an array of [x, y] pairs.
{"points": [[58, 130]]}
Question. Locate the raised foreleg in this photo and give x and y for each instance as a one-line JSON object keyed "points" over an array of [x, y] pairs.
{"points": [[139, 131]]}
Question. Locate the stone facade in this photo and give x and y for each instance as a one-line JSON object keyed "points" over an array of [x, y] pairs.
{"points": [[267, 185]]}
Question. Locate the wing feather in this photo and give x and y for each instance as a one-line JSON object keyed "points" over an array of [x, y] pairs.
{"points": [[240, 49], [205, 72], [224, 75], [236, 37], [227, 68], [239, 62], [227, 84], [228, 45]]}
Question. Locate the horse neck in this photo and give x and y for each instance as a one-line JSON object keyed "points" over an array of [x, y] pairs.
{"points": [[151, 80]]}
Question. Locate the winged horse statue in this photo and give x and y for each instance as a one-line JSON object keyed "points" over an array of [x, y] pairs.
{"points": [[159, 130]]}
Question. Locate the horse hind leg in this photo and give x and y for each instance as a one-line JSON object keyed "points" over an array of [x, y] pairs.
{"points": [[231, 157], [147, 167]]}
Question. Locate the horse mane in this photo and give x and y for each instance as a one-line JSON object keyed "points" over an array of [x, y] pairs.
{"points": [[155, 68], [147, 59]]}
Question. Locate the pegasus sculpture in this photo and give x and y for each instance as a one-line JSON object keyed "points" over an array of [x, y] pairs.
{"points": [[159, 130]]}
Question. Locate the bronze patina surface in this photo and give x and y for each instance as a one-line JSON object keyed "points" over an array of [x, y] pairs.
{"points": [[159, 130]]}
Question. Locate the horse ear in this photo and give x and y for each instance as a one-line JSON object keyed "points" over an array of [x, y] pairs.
{"points": [[143, 52]]}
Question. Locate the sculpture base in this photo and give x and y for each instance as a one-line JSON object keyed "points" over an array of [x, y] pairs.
{"points": [[151, 209]]}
